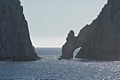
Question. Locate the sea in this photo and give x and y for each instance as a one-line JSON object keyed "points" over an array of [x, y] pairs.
{"points": [[50, 68]]}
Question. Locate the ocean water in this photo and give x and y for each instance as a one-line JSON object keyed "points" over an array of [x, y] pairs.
{"points": [[50, 68]]}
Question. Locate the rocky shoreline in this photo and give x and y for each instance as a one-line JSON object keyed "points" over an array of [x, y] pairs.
{"points": [[101, 39]]}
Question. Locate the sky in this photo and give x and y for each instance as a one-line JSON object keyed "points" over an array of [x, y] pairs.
{"points": [[50, 21]]}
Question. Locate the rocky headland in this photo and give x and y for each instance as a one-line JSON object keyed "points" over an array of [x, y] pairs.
{"points": [[101, 39], [15, 43]]}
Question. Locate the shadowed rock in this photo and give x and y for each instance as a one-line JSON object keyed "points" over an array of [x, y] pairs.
{"points": [[101, 39], [68, 47], [15, 43]]}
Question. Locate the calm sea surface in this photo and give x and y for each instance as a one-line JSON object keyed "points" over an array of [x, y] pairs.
{"points": [[50, 68]]}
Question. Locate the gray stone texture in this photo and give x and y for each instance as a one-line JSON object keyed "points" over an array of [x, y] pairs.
{"points": [[15, 43], [68, 47], [101, 39]]}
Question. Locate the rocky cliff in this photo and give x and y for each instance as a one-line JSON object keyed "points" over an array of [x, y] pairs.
{"points": [[101, 39], [15, 43]]}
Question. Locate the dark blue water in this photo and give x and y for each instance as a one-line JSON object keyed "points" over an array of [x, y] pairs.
{"points": [[50, 68]]}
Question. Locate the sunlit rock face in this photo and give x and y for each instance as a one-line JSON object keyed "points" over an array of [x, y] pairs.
{"points": [[15, 43], [101, 39]]}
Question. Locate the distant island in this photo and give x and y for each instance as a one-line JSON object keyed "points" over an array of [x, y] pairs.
{"points": [[15, 43], [100, 40]]}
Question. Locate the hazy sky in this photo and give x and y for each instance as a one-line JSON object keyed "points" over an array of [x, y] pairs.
{"points": [[50, 20]]}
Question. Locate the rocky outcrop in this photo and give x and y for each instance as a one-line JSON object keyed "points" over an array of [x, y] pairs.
{"points": [[101, 39], [15, 43], [68, 47]]}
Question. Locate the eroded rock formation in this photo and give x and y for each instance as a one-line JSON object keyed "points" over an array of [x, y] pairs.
{"points": [[68, 47], [101, 39], [15, 43]]}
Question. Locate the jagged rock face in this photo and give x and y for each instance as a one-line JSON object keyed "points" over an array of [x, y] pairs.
{"points": [[101, 39], [68, 47], [15, 43], [104, 43]]}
